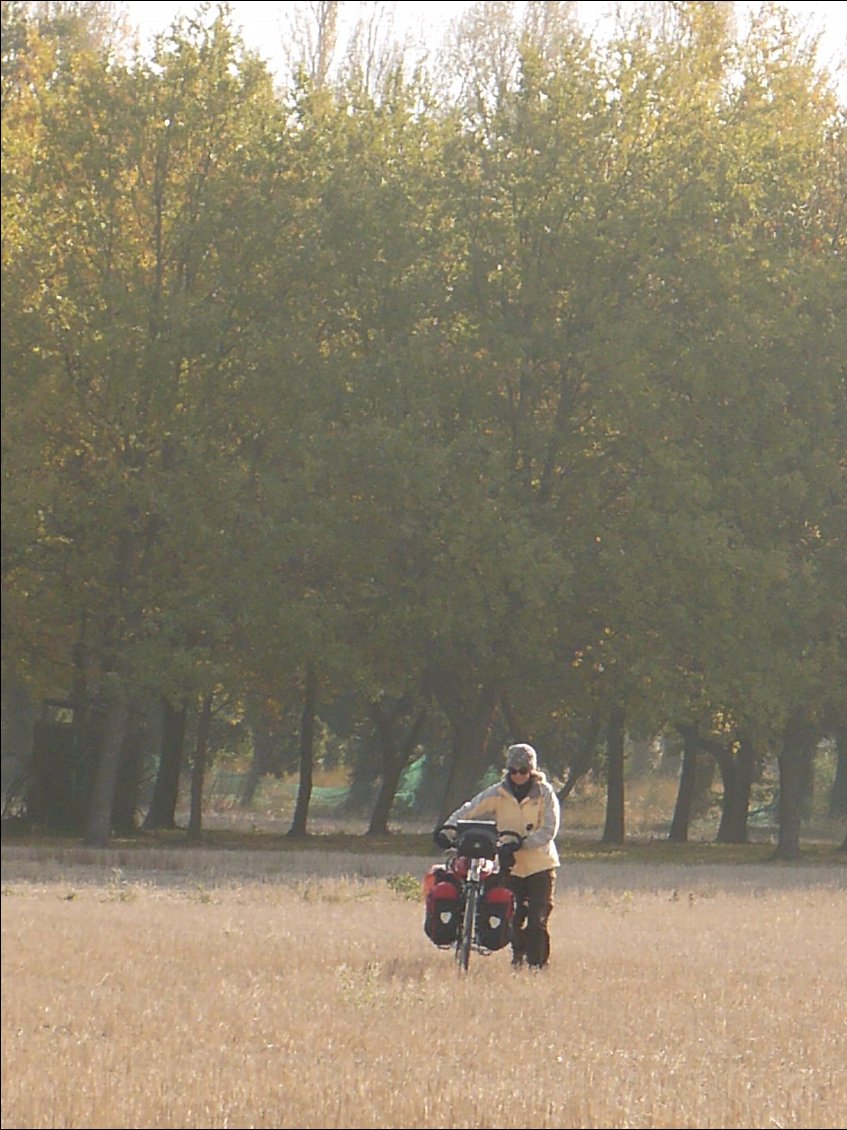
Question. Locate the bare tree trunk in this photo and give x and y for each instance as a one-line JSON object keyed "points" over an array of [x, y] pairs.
{"points": [[614, 831], [162, 811], [135, 746], [687, 782], [838, 795], [99, 822], [470, 719], [393, 762], [797, 744], [312, 38], [307, 755], [198, 769], [737, 772], [515, 727], [266, 757], [582, 762]]}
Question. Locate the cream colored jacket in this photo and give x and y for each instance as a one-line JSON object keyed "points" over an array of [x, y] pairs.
{"points": [[536, 817]]}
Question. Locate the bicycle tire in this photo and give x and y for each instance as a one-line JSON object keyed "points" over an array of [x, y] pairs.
{"points": [[468, 931]]}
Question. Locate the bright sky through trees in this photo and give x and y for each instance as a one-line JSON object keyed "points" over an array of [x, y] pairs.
{"points": [[264, 23]]}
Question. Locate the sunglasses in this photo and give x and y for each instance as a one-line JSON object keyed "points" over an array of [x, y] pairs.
{"points": [[519, 769]]}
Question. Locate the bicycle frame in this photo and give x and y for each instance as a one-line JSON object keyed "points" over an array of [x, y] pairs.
{"points": [[473, 884], [474, 862], [474, 858]]}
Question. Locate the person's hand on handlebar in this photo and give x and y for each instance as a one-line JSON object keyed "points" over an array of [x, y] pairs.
{"points": [[444, 837]]}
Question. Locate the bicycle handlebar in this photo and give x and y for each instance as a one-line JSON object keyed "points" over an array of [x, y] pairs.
{"points": [[448, 836]]}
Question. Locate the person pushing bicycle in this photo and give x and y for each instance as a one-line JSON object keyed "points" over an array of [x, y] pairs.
{"points": [[525, 802]]}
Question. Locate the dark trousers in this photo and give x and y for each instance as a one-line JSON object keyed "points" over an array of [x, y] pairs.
{"points": [[534, 897]]}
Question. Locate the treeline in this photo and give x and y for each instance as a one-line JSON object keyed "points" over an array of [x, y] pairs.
{"points": [[501, 395]]}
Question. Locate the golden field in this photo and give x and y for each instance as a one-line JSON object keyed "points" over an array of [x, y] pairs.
{"points": [[240, 989]]}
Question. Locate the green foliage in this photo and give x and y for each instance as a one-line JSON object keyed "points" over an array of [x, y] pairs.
{"points": [[407, 886]]}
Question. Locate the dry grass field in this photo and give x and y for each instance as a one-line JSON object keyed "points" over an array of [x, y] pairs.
{"points": [[237, 989]]}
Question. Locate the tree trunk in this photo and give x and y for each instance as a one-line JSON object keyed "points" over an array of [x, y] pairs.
{"points": [[797, 742], [19, 719], [130, 770], [513, 723], [838, 795], [392, 762], [471, 725], [581, 763], [614, 831], [198, 769], [307, 755], [99, 822], [640, 758], [807, 781], [162, 811], [249, 785], [687, 782], [267, 756], [737, 773]]}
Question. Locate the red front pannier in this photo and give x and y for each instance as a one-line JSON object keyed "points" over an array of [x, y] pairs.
{"points": [[495, 917], [441, 901]]}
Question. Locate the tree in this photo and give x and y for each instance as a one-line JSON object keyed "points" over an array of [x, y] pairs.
{"points": [[137, 331]]}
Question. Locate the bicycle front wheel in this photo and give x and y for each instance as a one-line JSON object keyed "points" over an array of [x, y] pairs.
{"points": [[465, 941]]}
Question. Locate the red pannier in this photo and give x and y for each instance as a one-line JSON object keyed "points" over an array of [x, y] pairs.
{"points": [[441, 901], [495, 917]]}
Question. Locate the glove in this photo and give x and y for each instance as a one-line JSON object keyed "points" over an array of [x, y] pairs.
{"points": [[506, 855], [444, 837]]}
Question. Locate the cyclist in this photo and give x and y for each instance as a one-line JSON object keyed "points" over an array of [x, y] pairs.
{"points": [[524, 801]]}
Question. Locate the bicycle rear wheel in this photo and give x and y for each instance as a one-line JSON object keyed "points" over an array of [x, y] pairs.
{"points": [[468, 931]]}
